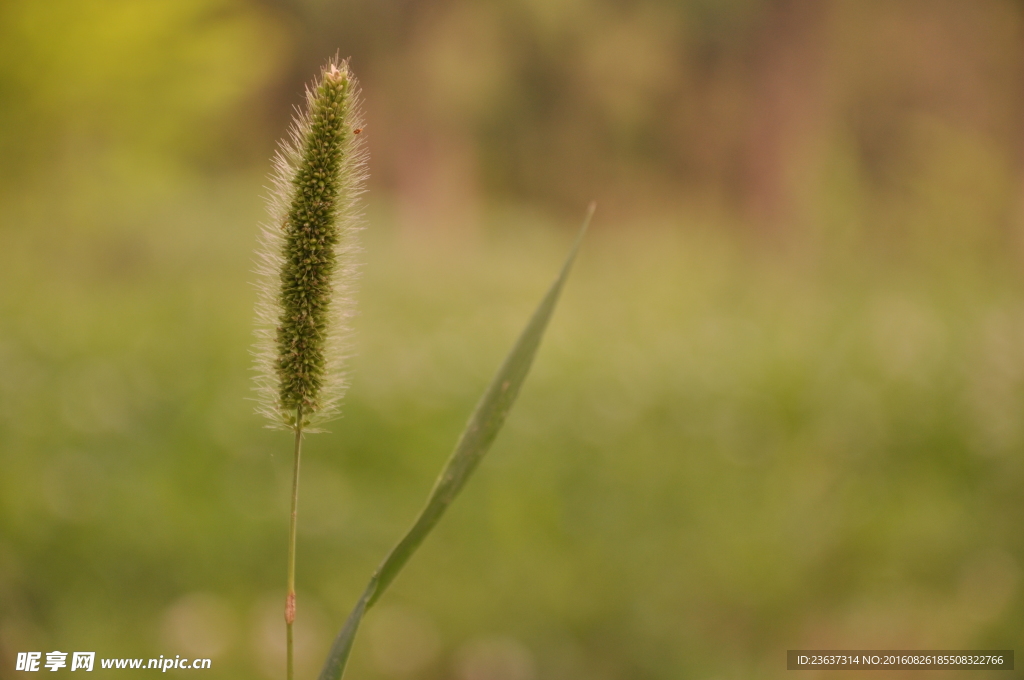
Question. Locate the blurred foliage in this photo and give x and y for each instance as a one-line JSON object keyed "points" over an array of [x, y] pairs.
{"points": [[118, 76], [780, 405]]}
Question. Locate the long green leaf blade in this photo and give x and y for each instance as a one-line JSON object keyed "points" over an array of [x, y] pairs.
{"points": [[476, 439]]}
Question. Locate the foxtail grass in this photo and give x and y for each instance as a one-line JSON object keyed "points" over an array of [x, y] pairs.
{"points": [[306, 271], [306, 268]]}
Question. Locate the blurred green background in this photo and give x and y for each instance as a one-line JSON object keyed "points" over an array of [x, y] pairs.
{"points": [[780, 405]]}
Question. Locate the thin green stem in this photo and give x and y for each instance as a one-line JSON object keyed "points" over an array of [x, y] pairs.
{"points": [[289, 607]]}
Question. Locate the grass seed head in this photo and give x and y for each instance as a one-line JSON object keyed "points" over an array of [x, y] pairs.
{"points": [[306, 261]]}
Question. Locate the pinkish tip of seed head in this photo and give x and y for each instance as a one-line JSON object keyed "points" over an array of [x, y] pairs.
{"points": [[334, 73]]}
